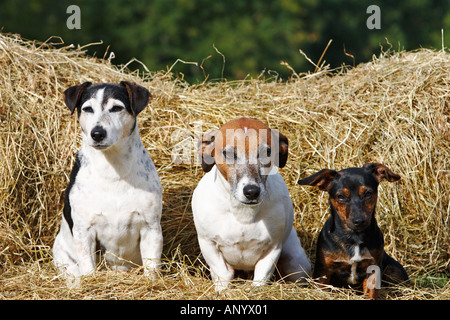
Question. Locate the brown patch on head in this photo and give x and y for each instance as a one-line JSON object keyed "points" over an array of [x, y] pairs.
{"points": [[369, 198], [345, 192], [244, 134], [245, 140], [369, 206], [244, 122], [237, 140], [224, 170], [341, 210], [340, 205], [361, 190]]}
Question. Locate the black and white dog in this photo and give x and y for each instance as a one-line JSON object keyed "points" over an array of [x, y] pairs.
{"points": [[113, 202]]}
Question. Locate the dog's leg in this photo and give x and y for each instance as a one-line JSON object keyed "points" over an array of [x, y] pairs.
{"points": [[264, 268], [151, 248], [293, 264], [393, 271], [63, 252], [369, 289], [221, 272], [84, 247]]}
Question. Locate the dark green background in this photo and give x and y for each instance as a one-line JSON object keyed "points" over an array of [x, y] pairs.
{"points": [[253, 35]]}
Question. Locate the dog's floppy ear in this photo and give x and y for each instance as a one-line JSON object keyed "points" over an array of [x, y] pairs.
{"points": [[282, 146], [73, 94], [380, 171], [321, 179], [206, 150], [138, 95]]}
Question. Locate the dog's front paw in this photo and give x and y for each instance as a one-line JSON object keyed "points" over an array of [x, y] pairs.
{"points": [[152, 273], [221, 285], [152, 268]]}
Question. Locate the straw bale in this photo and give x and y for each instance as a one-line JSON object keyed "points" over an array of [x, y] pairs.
{"points": [[393, 109]]}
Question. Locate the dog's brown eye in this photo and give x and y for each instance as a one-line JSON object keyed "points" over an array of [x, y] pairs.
{"points": [[368, 194], [116, 109], [87, 109], [341, 198], [230, 154], [265, 153]]}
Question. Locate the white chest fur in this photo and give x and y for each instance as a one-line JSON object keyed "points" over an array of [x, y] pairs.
{"points": [[354, 264], [243, 244]]}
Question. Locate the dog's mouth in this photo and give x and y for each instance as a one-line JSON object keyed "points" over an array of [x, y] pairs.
{"points": [[251, 203], [250, 195], [357, 228], [99, 146]]}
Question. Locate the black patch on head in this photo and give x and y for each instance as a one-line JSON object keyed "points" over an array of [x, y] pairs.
{"points": [[352, 178], [118, 92], [134, 96], [67, 211], [112, 90]]}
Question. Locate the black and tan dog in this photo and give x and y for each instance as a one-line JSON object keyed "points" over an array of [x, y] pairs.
{"points": [[351, 241]]}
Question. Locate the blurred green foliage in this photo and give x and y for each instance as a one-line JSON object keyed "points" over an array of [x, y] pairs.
{"points": [[250, 35]]}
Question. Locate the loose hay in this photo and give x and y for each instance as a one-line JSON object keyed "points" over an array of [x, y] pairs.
{"points": [[394, 109]]}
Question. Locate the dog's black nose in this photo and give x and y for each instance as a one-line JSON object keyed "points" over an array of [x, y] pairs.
{"points": [[358, 221], [98, 134], [251, 192]]}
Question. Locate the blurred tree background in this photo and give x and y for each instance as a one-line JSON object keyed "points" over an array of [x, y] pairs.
{"points": [[251, 36]]}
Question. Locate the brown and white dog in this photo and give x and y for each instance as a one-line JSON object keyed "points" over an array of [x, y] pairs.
{"points": [[242, 210]]}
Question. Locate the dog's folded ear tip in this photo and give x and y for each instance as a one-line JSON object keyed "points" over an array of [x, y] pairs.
{"points": [[381, 172], [139, 96], [73, 94]]}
